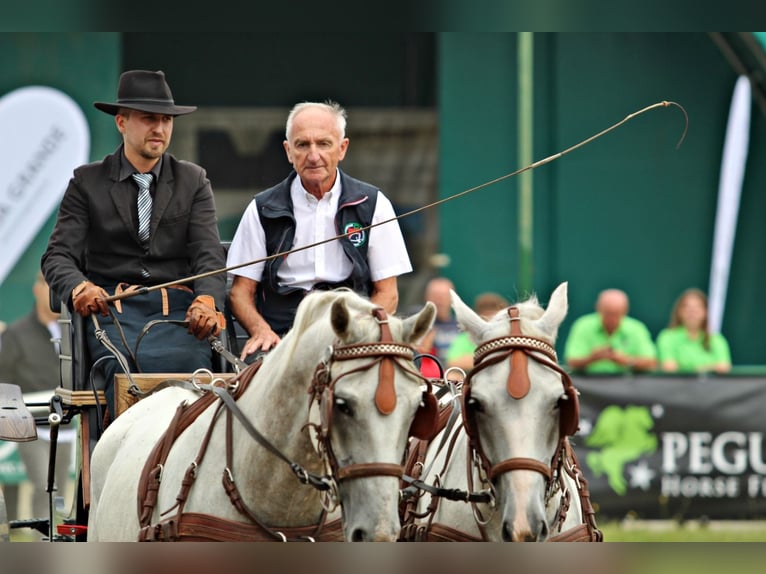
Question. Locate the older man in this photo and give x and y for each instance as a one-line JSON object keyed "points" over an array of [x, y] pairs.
{"points": [[609, 341], [315, 203]]}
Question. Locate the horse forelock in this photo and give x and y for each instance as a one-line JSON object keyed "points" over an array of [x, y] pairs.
{"points": [[530, 312]]}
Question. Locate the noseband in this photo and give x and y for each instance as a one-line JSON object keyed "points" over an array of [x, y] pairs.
{"points": [[518, 348], [385, 353]]}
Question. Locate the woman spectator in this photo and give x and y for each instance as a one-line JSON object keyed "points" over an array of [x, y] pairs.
{"points": [[687, 345]]}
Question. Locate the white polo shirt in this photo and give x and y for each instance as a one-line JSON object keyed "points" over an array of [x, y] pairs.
{"points": [[315, 221]]}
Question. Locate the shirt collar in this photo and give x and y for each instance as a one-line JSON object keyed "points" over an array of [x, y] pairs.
{"points": [[127, 169], [299, 193]]}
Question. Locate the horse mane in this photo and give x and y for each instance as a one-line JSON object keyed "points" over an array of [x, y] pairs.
{"points": [[314, 308]]}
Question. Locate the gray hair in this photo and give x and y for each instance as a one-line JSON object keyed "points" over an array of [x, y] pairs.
{"points": [[329, 106]]}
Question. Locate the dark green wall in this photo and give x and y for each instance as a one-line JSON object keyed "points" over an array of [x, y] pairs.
{"points": [[85, 66], [628, 210], [383, 69]]}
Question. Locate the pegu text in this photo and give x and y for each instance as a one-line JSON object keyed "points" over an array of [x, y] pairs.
{"points": [[702, 453]]}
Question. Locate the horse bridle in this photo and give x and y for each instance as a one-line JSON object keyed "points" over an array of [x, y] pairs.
{"points": [[387, 354], [518, 348]]}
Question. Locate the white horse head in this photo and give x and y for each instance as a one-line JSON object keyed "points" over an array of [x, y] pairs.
{"points": [[516, 418], [368, 417], [279, 402], [518, 407]]}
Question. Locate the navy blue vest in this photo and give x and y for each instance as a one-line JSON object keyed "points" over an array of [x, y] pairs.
{"points": [[356, 205]]}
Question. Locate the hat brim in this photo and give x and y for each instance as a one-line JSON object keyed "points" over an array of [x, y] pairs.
{"points": [[168, 109]]}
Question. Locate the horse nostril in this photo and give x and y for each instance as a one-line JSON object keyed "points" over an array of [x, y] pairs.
{"points": [[507, 532], [544, 533], [358, 535]]}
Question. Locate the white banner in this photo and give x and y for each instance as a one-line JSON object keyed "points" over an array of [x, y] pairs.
{"points": [[43, 137], [729, 190]]}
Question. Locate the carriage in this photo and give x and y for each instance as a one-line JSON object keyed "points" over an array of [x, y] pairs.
{"points": [[350, 408]]}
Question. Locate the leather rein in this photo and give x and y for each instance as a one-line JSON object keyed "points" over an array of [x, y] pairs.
{"points": [[197, 526]]}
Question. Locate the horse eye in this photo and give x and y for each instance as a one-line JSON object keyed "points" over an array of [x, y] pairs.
{"points": [[343, 406], [475, 405]]}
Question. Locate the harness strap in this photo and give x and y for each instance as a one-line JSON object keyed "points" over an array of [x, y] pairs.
{"points": [[588, 512], [196, 527], [191, 472], [518, 384], [435, 533], [149, 483], [185, 414], [230, 487], [385, 395], [318, 482], [351, 471], [520, 463], [580, 533]]}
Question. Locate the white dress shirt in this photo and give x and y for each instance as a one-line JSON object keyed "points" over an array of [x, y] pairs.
{"points": [[315, 221]]}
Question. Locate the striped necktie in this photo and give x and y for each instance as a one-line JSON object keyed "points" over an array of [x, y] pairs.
{"points": [[144, 181]]}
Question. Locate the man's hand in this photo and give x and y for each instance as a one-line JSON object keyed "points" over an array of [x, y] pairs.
{"points": [[263, 340], [622, 359], [203, 319], [602, 354], [89, 298]]}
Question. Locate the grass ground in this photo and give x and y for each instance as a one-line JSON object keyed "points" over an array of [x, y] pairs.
{"points": [[693, 531]]}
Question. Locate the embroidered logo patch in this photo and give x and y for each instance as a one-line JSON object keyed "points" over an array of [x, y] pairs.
{"points": [[356, 235]]}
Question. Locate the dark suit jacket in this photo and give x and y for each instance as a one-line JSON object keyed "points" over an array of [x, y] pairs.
{"points": [[27, 356], [96, 233]]}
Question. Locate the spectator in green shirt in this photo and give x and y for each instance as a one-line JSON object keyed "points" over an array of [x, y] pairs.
{"points": [[687, 345], [609, 341]]}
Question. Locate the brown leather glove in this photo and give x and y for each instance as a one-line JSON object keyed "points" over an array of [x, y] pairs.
{"points": [[89, 298], [203, 319]]}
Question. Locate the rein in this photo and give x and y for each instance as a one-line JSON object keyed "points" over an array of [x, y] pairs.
{"points": [[197, 526]]}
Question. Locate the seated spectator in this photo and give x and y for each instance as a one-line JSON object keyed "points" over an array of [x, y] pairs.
{"points": [[686, 345], [445, 329], [609, 341], [29, 358], [460, 352]]}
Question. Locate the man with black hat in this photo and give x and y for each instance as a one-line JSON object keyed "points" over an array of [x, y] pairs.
{"points": [[141, 217]]}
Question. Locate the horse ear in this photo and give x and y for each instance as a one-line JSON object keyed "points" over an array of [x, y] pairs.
{"points": [[555, 312], [416, 326], [340, 318], [466, 317]]}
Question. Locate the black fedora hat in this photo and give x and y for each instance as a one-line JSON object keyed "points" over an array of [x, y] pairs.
{"points": [[144, 91]]}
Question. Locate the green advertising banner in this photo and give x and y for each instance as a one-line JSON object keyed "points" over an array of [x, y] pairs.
{"points": [[674, 447]]}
